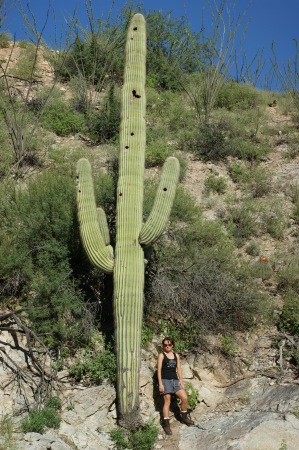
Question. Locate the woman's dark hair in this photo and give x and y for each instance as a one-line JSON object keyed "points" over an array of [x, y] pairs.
{"points": [[168, 339]]}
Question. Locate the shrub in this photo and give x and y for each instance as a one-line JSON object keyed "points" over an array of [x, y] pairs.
{"points": [[39, 255], [105, 124], [62, 119], [208, 142], [27, 66], [39, 419], [274, 217], [156, 154], [215, 184], [182, 335], [228, 345], [242, 222], [5, 39], [237, 172], [289, 319], [262, 269], [258, 181], [142, 438], [233, 95], [192, 395], [95, 365], [253, 248], [54, 402], [246, 150]]}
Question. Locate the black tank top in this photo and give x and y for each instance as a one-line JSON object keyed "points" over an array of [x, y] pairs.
{"points": [[169, 366]]}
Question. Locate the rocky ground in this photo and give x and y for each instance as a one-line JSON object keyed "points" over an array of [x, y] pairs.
{"points": [[247, 401]]}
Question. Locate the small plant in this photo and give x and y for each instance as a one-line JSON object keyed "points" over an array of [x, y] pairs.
{"points": [[54, 402], [295, 412], [95, 364], [228, 346], [142, 438], [289, 319], [70, 407], [61, 118], [39, 419], [237, 172], [5, 39], [147, 334], [208, 142], [283, 445], [245, 398], [192, 394], [183, 334], [262, 269], [215, 184], [253, 248], [6, 433]]}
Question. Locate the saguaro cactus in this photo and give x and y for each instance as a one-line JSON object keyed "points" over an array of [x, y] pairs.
{"points": [[132, 235]]}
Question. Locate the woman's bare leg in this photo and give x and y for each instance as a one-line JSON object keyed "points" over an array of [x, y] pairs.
{"points": [[166, 406]]}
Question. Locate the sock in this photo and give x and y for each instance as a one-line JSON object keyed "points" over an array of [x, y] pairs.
{"points": [[183, 411], [165, 418]]}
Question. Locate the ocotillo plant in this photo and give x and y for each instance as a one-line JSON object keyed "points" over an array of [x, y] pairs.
{"points": [[127, 265]]}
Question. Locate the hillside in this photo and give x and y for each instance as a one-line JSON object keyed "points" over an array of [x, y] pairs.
{"points": [[222, 279]]}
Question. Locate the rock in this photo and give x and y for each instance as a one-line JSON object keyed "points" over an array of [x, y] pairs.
{"points": [[263, 425]]}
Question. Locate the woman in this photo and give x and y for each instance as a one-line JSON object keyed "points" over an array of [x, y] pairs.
{"points": [[171, 382]]}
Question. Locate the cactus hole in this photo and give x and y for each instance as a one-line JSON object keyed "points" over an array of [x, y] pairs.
{"points": [[135, 28], [135, 94], [120, 194], [164, 189], [132, 134], [127, 147]]}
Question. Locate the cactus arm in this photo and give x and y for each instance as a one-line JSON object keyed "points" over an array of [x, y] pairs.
{"points": [[98, 253], [156, 222], [103, 225]]}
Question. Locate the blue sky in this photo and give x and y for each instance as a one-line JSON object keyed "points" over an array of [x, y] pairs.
{"points": [[269, 20]]}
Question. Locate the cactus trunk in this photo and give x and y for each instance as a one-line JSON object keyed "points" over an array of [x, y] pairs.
{"points": [[131, 234], [129, 258]]}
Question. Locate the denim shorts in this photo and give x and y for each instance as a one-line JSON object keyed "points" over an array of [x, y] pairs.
{"points": [[171, 386]]}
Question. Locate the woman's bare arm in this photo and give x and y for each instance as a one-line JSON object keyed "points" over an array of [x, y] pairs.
{"points": [[179, 371], [159, 372]]}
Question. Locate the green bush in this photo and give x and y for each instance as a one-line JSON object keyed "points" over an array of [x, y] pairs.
{"points": [[215, 292], [258, 181], [142, 438], [253, 248], [5, 39], [41, 255], [39, 419], [207, 142], [96, 364], [156, 154], [242, 222], [183, 335], [229, 347], [237, 172], [192, 395], [215, 184], [54, 402], [27, 66], [246, 149], [105, 124], [62, 119], [233, 95], [289, 319]]}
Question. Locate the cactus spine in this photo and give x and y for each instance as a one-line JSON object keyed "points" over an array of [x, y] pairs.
{"points": [[128, 264]]}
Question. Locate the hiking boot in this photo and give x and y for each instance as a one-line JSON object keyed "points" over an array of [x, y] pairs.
{"points": [[166, 427], [186, 419]]}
